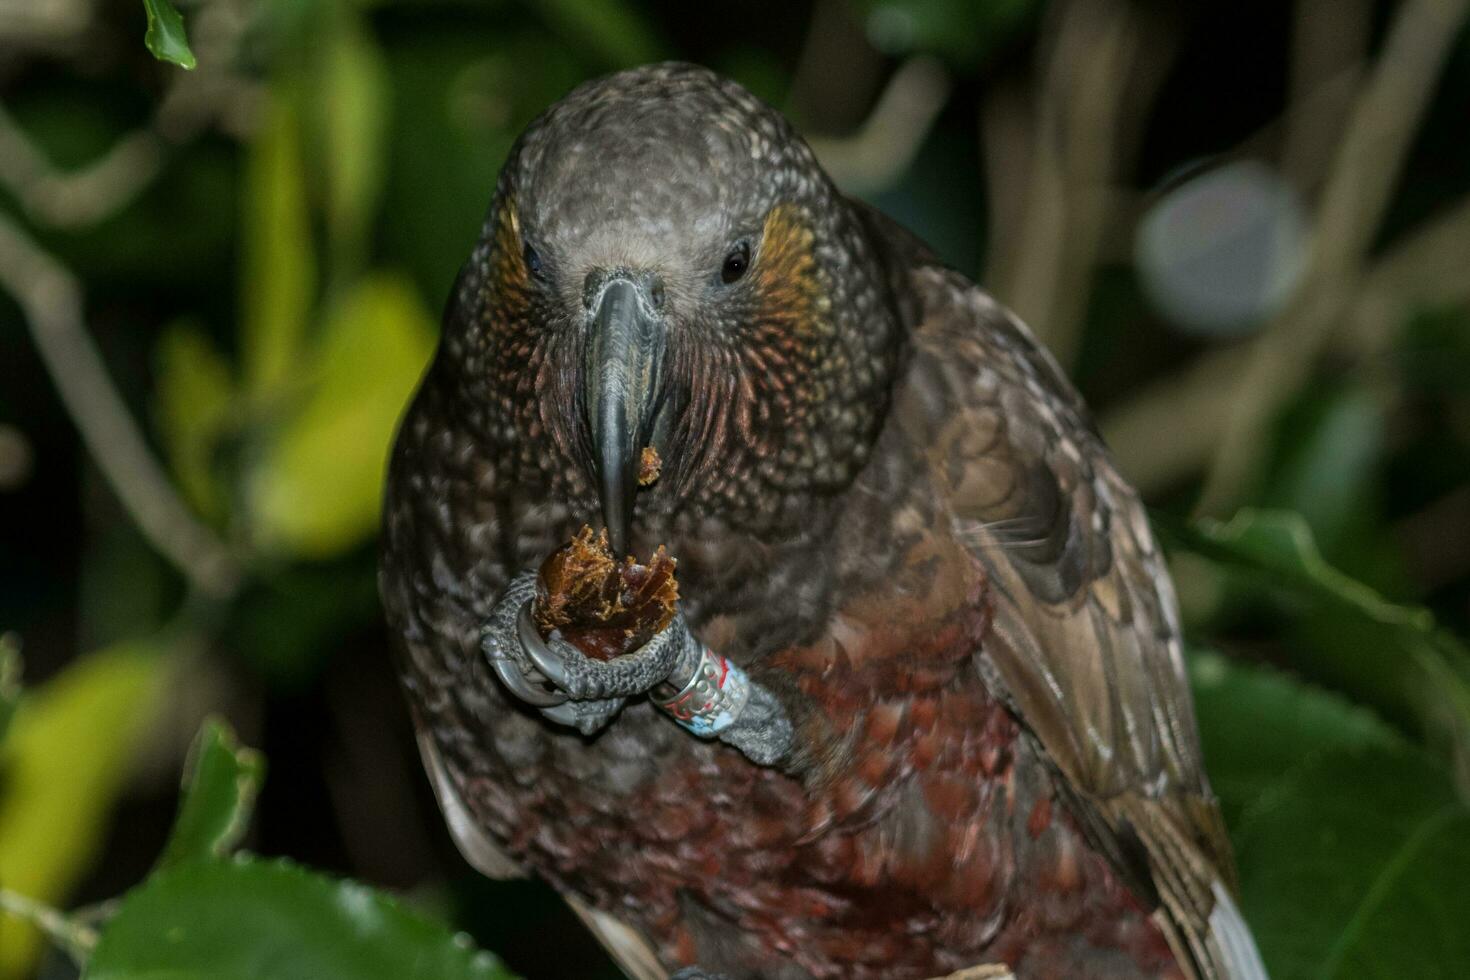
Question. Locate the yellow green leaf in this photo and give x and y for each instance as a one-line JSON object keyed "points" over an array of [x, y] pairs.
{"points": [[280, 267], [318, 490], [61, 770], [194, 404], [350, 106]]}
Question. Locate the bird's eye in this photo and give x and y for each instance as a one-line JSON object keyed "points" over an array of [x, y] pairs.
{"points": [[735, 263], [533, 260]]}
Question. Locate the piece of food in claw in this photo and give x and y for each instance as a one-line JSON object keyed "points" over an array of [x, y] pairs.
{"points": [[649, 465], [603, 607]]}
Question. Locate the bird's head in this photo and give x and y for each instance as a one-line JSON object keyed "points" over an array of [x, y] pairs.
{"points": [[666, 265]]}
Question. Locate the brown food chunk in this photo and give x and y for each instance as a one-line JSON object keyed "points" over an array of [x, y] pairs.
{"points": [[649, 465], [602, 607]]}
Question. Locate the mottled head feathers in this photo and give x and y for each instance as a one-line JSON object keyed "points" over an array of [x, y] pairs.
{"points": [[778, 366]]}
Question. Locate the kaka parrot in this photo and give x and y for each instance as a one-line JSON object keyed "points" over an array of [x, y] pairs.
{"points": [[922, 707]]}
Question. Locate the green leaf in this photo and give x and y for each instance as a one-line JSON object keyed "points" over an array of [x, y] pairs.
{"points": [[1257, 723], [218, 797], [165, 37], [280, 266], [62, 768], [195, 406], [350, 104], [249, 918], [10, 669], [318, 491], [1391, 657], [1357, 865], [1331, 445]]}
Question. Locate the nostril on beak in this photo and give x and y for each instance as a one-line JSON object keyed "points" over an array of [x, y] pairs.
{"points": [[651, 285], [591, 286]]}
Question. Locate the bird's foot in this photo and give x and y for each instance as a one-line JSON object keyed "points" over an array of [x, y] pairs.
{"points": [[698, 688], [562, 682]]}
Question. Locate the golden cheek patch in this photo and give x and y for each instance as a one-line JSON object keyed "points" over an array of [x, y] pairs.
{"points": [[510, 280], [791, 285]]}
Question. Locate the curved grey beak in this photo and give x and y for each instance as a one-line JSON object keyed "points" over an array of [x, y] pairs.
{"points": [[625, 358]]}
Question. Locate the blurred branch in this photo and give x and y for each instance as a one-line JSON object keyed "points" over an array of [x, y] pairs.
{"points": [[886, 144], [1364, 173], [1165, 433], [1426, 268], [214, 94], [77, 939], [82, 197], [51, 301], [838, 73], [1329, 50], [1103, 72]]}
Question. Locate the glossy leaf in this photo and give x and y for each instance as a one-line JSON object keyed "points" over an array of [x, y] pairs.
{"points": [[1332, 444], [249, 918], [319, 490], [1257, 723], [1356, 865], [1392, 657], [218, 797], [280, 266], [165, 37], [61, 769]]}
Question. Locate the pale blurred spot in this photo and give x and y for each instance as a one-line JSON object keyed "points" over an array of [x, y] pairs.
{"points": [[1221, 252], [15, 458]]}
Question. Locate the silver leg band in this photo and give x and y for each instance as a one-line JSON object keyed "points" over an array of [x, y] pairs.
{"points": [[712, 700]]}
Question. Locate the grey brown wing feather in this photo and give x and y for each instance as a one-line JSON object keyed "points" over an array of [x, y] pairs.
{"points": [[1085, 643]]}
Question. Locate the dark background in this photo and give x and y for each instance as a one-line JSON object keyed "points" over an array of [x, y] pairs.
{"points": [[1254, 271]]}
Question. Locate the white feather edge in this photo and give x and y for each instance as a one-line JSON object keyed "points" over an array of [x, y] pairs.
{"points": [[1232, 938], [483, 854], [631, 951]]}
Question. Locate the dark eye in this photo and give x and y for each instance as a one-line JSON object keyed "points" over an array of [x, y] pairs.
{"points": [[735, 263], [532, 259]]}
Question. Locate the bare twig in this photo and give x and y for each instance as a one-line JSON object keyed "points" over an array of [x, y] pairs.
{"points": [[883, 147], [81, 197], [51, 300], [1071, 160], [1100, 78], [1427, 267], [217, 94], [75, 938], [1328, 53], [1365, 170], [838, 73], [1167, 431]]}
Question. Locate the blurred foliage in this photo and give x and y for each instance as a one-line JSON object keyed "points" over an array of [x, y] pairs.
{"points": [[286, 219], [65, 761]]}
